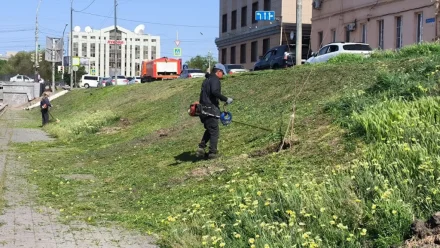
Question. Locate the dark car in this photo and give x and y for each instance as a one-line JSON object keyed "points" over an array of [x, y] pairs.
{"points": [[281, 57]]}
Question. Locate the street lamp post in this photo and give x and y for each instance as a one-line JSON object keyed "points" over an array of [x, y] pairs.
{"points": [[62, 52]]}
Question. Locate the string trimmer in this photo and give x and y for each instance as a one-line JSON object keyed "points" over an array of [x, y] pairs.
{"points": [[58, 121]]}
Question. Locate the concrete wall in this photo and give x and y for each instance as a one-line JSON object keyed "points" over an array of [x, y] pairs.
{"points": [[15, 94], [334, 15]]}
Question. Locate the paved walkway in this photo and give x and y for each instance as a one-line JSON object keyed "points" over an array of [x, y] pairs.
{"points": [[23, 224]]}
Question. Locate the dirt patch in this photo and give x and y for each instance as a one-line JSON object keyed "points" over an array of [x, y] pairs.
{"points": [[78, 177], [425, 234], [123, 123], [277, 147]]}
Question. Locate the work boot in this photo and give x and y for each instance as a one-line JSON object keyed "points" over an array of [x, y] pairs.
{"points": [[212, 156], [200, 152]]}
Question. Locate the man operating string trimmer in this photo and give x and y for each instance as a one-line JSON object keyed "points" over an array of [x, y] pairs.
{"points": [[209, 100]]}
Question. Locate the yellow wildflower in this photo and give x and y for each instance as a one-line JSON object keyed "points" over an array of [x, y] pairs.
{"points": [[259, 193], [251, 241]]}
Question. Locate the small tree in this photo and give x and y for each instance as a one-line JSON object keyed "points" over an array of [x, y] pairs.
{"points": [[201, 62]]}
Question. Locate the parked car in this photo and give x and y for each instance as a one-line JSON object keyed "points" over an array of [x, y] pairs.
{"points": [[234, 68], [21, 78], [106, 81], [334, 49], [281, 57], [88, 81], [120, 80], [192, 73], [135, 80]]}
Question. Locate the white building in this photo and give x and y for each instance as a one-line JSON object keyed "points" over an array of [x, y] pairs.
{"points": [[98, 47]]}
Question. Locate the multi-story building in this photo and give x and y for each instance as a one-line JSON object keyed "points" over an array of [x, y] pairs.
{"points": [[384, 24], [99, 49], [243, 39]]}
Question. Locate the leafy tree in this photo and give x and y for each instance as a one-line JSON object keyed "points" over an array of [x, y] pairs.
{"points": [[201, 62]]}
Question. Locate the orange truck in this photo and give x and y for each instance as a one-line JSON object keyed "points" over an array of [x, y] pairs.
{"points": [[160, 69]]}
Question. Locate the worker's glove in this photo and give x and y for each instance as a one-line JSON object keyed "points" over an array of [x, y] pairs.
{"points": [[229, 101]]}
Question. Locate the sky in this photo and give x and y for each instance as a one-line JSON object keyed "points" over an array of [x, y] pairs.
{"points": [[195, 21]]}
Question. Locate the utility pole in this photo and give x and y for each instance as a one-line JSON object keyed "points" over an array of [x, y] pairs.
{"points": [[116, 43], [72, 85], [37, 50], [209, 61], [298, 32], [62, 53], [53, 65]]}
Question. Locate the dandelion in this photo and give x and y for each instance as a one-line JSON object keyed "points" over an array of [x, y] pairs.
{"points": [[267, 203], [237, 235], [322, 210], [222, 244], [259, 193], [394, 212], [266, 246], [373, 206], [332, 222], [306, 235], [252, 246], [251, 241], [364, 232]]}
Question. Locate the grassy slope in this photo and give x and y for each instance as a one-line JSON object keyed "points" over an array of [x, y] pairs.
{"points": [[152, 182]]}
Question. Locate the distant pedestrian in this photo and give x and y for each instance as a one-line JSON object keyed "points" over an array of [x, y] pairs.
{"points": [[44, 105]]}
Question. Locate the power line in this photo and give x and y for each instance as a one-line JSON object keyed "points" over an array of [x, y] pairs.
{"points": [[87, 6], [152, 23], [16, 30]]}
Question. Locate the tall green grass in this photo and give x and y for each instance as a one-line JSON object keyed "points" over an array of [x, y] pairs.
{"points": [[88, 124]]}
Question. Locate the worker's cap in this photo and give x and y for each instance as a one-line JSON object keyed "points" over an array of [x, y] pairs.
{"points": [[221, 67]]}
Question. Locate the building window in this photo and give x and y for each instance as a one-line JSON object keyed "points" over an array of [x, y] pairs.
{"points": [[234, 20], [419, 27], [145, 40], [84, 37], [381, 29], [333, 35], [153, 40], [267, 5], [242, 53], [75, 36], [92, 50], [266, 45], [254, 51], [93, 37], [364, 33], [320, 38], [224, 51], [244, 16], [233, 55], [347, 35], [398, 32], [225, 23], [254, 9]]}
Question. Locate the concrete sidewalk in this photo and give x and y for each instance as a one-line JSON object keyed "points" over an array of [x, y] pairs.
{"points": [[24, 224]]}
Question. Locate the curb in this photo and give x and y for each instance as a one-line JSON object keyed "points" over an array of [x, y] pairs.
{"points": [[2, 108]]}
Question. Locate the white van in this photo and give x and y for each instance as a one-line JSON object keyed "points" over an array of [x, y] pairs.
{"points": [[88, 81]]}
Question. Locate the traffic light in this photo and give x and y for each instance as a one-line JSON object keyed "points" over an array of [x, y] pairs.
{"points": [[40, 57], [33, 57]]}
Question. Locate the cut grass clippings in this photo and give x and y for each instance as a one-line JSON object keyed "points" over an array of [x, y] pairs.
{"points": [[365, 161]]}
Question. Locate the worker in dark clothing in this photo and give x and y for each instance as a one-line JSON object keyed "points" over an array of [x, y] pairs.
{"points": [[44, 106], [209, 99]]}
